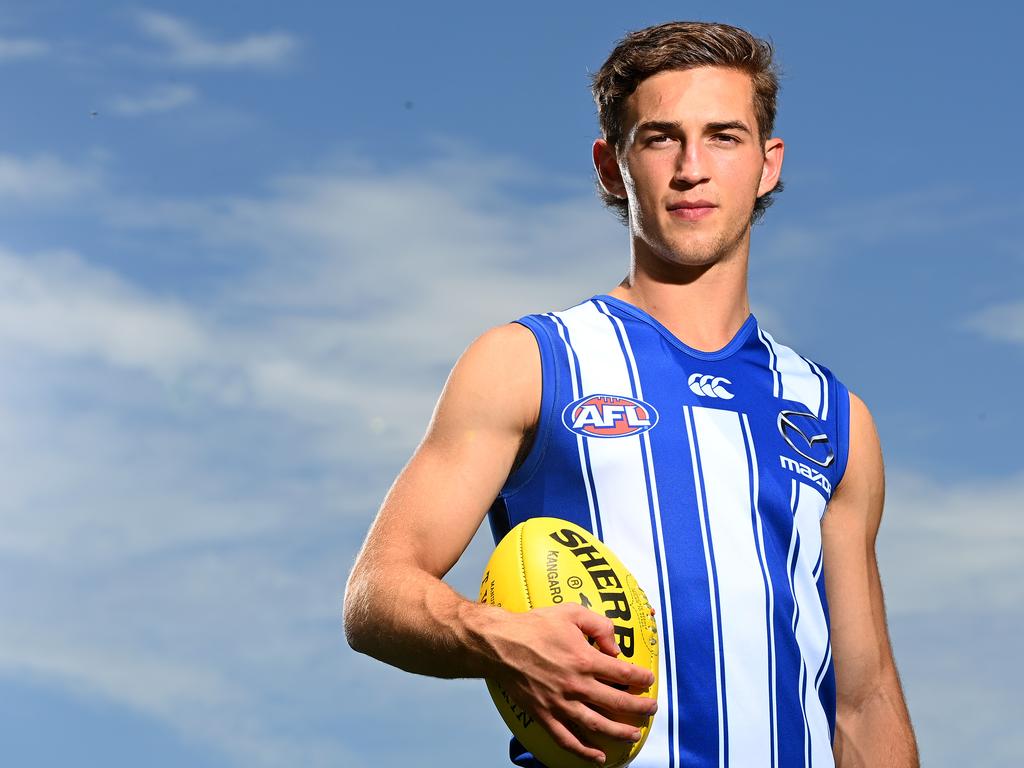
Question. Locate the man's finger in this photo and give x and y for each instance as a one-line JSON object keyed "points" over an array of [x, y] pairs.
{"points": [[618, 672], [615, 702], [566, 739], [589, 722], [599, 628]]}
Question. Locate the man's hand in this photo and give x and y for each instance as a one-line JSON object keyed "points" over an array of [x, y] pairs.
{"points": [[564, 682]]}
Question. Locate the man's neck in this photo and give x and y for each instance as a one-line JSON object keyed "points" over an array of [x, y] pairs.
{"points": [[703, 307]]}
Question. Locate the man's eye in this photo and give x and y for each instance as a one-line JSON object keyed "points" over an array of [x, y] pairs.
{"points": [[727, 138], [660, 139]]}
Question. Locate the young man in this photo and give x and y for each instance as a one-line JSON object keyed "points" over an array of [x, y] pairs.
{"points": [[743, 488]]}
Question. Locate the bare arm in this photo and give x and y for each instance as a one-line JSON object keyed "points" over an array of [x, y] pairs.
{"points": [[396, 606], [398, 610], [872, 722]]}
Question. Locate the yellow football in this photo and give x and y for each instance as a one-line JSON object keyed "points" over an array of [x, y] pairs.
{"points": [[547, 561]]}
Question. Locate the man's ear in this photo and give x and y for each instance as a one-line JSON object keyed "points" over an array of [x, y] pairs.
{"points": [[607, 166], [774, 149]]}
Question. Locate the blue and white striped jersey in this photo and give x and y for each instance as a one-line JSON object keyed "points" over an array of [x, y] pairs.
{"points": [[707, 473]]}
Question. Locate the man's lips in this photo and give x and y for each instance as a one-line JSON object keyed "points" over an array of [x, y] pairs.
{"points": [[691, 210]]}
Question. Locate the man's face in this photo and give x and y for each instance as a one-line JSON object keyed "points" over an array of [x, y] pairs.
{"points": [[691, 163]]}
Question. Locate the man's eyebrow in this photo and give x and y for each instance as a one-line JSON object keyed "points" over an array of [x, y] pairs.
{"points": [[669, 125], [657, 125], [729, 125]]}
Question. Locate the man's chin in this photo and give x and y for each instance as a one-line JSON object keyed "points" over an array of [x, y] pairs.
{"points": [[702, 249], [686, 264], [694, 254]]}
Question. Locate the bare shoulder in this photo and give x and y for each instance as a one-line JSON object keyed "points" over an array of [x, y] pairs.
{"points": [[862, 489], [495, 382], [503, 348], [440, 497], [508, 346], [859, 411]]}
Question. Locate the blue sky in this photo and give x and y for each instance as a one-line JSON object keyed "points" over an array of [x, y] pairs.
{"points": [[241, 246]]}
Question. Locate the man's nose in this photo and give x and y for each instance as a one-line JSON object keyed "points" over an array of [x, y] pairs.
{"points": [[691, 166]]}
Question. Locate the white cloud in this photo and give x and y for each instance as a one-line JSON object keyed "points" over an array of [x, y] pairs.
{"points": [[366, 286], [1000, 322], [949, 554], [188, 47], [12, 49], [146, 637], [953, 547], [58, 303], [164, 98], [44, 178], [74, 313]]}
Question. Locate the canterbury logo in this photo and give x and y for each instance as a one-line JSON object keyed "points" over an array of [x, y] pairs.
{"points": [[709, 386]]}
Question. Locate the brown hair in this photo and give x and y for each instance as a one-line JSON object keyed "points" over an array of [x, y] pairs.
{"points": [[683, 45]]}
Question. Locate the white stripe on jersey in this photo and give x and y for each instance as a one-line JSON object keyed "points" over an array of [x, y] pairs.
{"points": [[790, 567], [809, 620], [824, 668], [772, 362], [812, 634], [798, 380], [666, 621], [824, 386], [772, 693], [584, 469], [741, 583], [622, 499]]}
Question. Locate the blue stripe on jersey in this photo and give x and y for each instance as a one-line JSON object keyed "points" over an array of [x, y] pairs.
{"points": [[552, 391], [792, 722], [842, 430], [694, 720], [709, 552], [807, 732], [549, 483]]}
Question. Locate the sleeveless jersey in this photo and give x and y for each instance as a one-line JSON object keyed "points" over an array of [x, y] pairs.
{"points": [[707, 473]]}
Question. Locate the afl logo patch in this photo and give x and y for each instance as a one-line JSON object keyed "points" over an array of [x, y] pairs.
{"points": [[609, 416]]}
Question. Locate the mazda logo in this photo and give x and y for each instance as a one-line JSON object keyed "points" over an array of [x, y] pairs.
{"points": [[800, 430]]}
